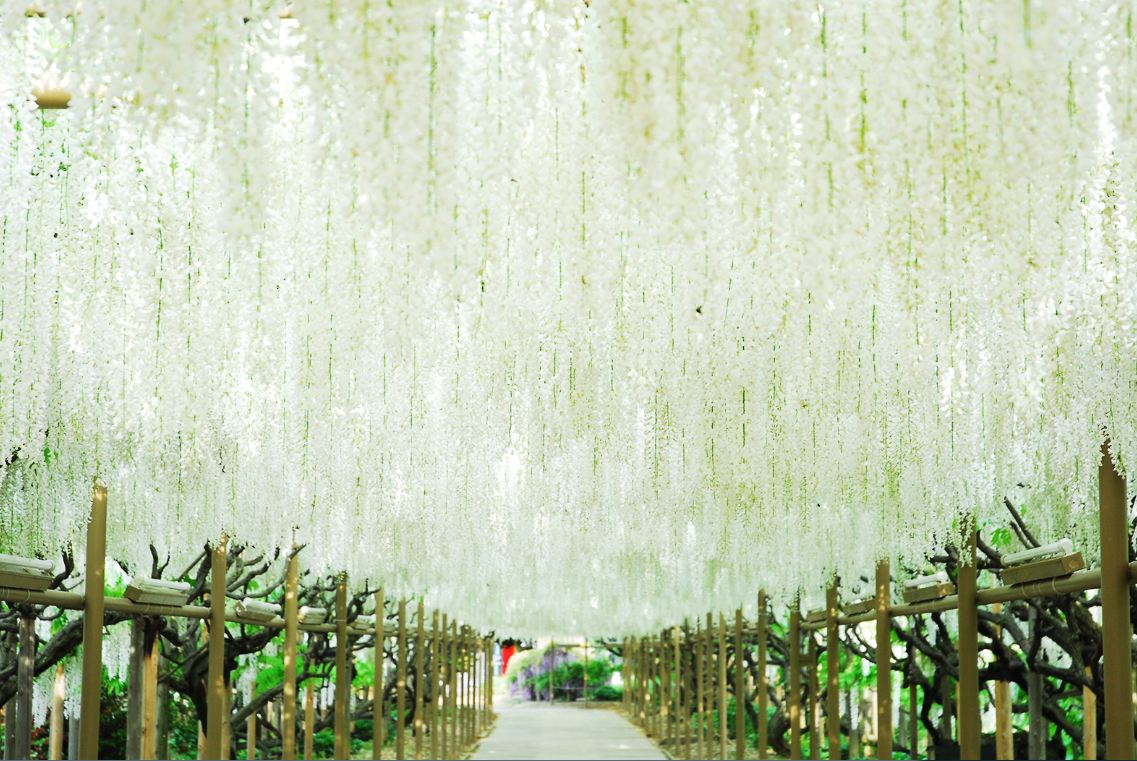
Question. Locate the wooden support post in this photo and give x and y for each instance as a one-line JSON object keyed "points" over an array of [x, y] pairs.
{"points": [[722, 685], [93, 625], [739, 691], [215, 687], [832, 673], [763, 693], [814, 710], [342, 741], [794, 645], [291, 631], [664, 692], [134, 690], [968, 648], [680, 680], [420, 682], [491, 673], [444, 691], [455, 739], [401, 683], [883, 661], [309, 720], [150, 644], [25, 674], [55, 728], [1089, 721], [710, 673], [700, 697], [1004, 729], [433, 713], [1116, 628], [685, 689]]}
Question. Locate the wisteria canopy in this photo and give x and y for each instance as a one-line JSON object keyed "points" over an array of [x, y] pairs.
{"points": [[569, 316]]}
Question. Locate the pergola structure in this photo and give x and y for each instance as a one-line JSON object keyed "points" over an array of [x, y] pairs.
{"points": [[566, 317]]}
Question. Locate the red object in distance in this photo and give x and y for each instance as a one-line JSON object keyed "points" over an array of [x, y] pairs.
{"points": [[507, 652]]}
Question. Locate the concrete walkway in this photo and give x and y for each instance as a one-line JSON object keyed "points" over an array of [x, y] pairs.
{"points": [[541, 731]]}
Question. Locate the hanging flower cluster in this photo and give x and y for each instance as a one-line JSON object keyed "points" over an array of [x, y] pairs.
{"points": [[572, 316]]}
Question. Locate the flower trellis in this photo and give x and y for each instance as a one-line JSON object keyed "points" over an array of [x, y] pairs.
{"points": [[686, 298]]}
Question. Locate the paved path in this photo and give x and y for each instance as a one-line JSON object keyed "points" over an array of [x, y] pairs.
{"points": [[563, 732]]}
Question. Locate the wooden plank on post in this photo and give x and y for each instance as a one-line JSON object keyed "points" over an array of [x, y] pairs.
{"points": [[401, 683], [215, 688], [883, 661], [343, 681], [763, 694], [1116, 627], [794, 645], [91, 687], [420, 681], [968, 649], [832, 672], [291, 631], [55, 728]]}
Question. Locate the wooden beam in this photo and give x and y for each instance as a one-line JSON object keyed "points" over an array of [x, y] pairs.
{"points": [[291, 634], [401, 683], [883, 661], [93, 625], [1116, 627], [763, 696], [832, 672], [968, 649]]}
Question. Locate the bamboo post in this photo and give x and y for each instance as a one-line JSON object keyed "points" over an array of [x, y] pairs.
{"points": [[812, 701], [444, 692], [55, 729], [700, 702], [1117, 630], [420, 681], [309, 720], [343, 681], [25, 673], [794, 645], [763, 694], [968, 647], [739, 690], [433, 713], [378, 715], [722, 685], [151, 642], [291, 630], [93, 625], [832, 673], [883, 662], [215, 690], [401, 683]]}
